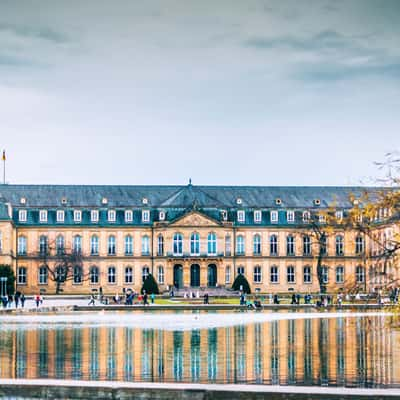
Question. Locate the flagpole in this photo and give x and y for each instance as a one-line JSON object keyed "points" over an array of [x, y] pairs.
{"points": [[4, 167]]}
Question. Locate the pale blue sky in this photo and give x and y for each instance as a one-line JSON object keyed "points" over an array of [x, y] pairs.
{"points": [[226, 92]]}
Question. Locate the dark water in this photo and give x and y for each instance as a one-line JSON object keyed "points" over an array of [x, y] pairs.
{"points": [[356, 352]]}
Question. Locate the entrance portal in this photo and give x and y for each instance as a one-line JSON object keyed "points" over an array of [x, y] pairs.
{"points": [[195, 275], [178, 276], [212, 275]]}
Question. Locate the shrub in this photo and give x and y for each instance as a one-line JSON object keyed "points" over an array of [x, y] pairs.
{"points": [[241, 281], [150, 285], [7, 271]]}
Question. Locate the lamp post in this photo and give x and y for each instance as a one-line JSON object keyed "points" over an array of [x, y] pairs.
{"points": [[3, 285]]}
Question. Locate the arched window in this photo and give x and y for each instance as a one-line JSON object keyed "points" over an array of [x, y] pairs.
{"points": [[240, 245], [145, 245], [257, 274], [274, 274], [290, 274], [339, 245], [360, 274], [340, 274], [21, 276], [257, 244], [112, 275], [43, 275], [160, 277], [273, 245], [128, 245], [306, 245], [111, 245], [194, 243], [160, 245], [128, 275], [359, 244], [145, 273], [240, 270], [43, 247], [178, 244], [22, 245], [290, 245], [60, 245], [212, 243], [77, 274], [307, 274], [77, 244], [94, 245], [94, 274]]}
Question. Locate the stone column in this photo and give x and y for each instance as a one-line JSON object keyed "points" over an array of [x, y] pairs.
{"points": [[186, 274]]}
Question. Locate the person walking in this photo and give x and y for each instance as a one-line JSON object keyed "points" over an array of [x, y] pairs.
{"points": [[152, 297], [92, 300], [37, 300], [22, 300], [145, 302], [16, 298]]}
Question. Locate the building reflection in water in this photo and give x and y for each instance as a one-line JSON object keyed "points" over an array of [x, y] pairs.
{"points": [[344, 351]]}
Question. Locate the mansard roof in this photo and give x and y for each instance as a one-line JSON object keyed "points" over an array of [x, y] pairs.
{"points": [[182, 196]]}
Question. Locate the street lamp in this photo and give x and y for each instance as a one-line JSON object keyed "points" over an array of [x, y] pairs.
{"points": [[3, 285]]}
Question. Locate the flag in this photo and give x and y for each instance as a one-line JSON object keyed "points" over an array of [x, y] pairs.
{"points": [[4, 155]]}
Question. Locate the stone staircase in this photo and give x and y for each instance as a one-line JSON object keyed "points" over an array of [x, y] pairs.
{"points": [[212, 291]]}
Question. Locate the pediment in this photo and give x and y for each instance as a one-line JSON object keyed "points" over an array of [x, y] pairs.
{"points": [[195, 218]]}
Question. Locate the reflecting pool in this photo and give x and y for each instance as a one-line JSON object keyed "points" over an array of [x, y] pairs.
{"points": [[264, 348]]}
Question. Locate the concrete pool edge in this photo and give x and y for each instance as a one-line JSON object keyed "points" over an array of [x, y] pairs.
{"points": [[70, 389]]}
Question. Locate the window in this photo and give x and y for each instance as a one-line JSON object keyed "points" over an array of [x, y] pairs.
{"points": [[339, 215], [274, 274], [112, 275], [324, 274], [160, 275], [323, 245], [257, 216], [21, 276], [22, 215], [94, 275], [128, 245], [77, 244], [274, 216], [240, 270], [360, 274], [228, 274], [94, 245], [77, 274], [290, 216], [145, 216], [60, 274], [128, 275], [290, 274], [60, 245], [240, 245], [339, 274], [43, 275], [112, 216], [77, 216], [94, 215], [339, 245], [306, 245], [321, 219], [290, 245], [228, 245], [145, 273], [194, 244], [359, 244], [43, 216], [1, 242], [60, 216], [257, 244], [273, 245], [145, 245], [160, 245], [212, 243], [43, 248], [257, 276], [240, 216], [21, 245], [111, 245], [128, 215], [178, 244], [306, 216], [307, 274], [161, 215]]}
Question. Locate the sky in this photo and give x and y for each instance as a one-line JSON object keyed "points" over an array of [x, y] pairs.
{"points": [[253, 92]]}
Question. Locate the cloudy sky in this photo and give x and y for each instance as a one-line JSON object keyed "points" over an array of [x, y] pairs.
{"points": [[225, 92]]}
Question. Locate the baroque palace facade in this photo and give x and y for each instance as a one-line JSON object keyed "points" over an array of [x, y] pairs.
{"points": [[190, 237]]}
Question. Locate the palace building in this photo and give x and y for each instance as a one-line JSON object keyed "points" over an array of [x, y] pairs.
{"points": [[188, 237]]}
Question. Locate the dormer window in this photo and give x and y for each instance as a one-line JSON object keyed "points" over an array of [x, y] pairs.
{"points": [[112, 216], [278, 201], [306, 216], [145, 200], [290, 216], [64, 201], [22, 215], [43, 216], [239, 200], [274, 217], [104, 200], [322, 219], [94, 215], [128, 215], [77, 216], [145, 216], [317, 202], [257, 216], [22, 200], [161, 215], [224, 215], [240, 216], [60, 215], [339, 215]]}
